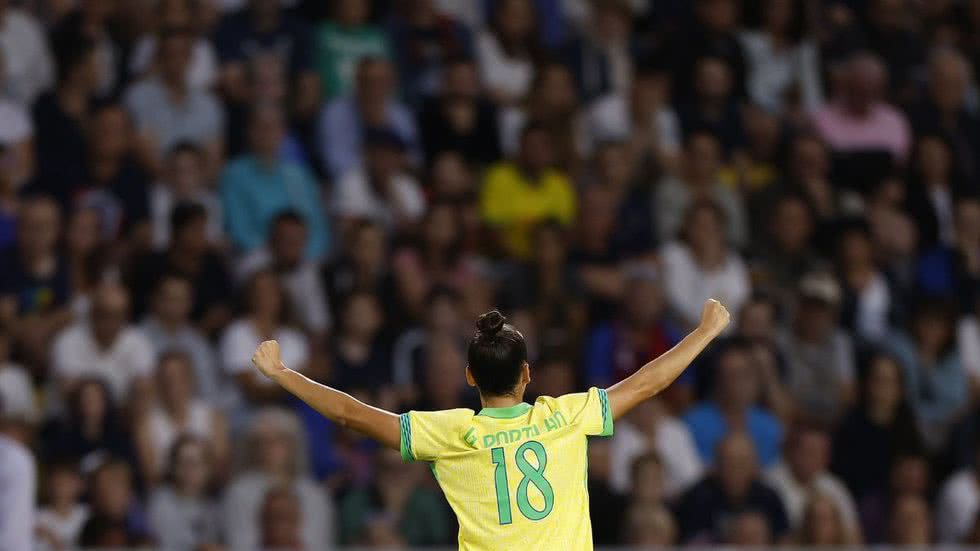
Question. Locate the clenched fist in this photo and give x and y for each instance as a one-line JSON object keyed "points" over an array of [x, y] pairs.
{"points": [[267, 360], [714, 317]]}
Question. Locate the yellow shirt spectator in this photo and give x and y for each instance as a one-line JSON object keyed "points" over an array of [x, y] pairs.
{"points": [[514, 203]]}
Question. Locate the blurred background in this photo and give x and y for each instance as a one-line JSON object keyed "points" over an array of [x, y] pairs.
{"points": [[181, 179]]}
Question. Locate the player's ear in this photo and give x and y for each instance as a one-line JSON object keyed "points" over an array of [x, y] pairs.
{"points": [[526, 373], [469, 377]]}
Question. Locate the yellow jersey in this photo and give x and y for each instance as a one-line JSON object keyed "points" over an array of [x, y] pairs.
{"points": [[515, 477]]}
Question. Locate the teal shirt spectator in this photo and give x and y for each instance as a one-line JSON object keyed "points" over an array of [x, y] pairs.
{"points": [[338, 50], [938, 392], [254, 192]]}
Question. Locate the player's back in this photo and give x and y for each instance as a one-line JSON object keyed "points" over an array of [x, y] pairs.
{"points": [[516, 477]]}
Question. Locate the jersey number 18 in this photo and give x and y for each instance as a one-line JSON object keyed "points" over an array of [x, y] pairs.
{"points": [[532, 475]]}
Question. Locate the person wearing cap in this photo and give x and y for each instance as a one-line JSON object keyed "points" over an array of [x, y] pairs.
{"points": [[820, 370], [381, 189]]}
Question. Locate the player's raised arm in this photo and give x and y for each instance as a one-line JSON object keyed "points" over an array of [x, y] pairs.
{"points": [[337, 406], [659, 373]]}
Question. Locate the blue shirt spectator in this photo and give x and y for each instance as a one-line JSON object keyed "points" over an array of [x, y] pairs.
{"points": [[734, 408], [343, 121]]}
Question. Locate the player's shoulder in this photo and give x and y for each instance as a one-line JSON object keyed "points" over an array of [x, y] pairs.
{"points": [[446, 417], [565, 402]]}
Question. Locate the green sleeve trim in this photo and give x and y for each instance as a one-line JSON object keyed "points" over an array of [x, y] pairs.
{"points": [[607, 418], [405, 425]]}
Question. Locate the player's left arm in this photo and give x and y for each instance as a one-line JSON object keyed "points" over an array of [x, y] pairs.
{"points": [[659, 373], [333, 404]]}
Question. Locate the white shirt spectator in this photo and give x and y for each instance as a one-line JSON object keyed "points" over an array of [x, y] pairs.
{"points": [[873, 306], [164, 433], [968, 342], [240, 340], [303, 285], [66, 529], [509, 76], [355, 198], [957, 508], [26, 57], [610, 120], [687, 283], [774, 70], [77, 354], [796, 495], [672, 442], [199, 119], [15, 123], [202, 71], [17, 394], [17, 491]]}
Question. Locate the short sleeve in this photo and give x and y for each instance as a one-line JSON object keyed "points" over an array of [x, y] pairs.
{"points": [[427, 435], [589, 411]]}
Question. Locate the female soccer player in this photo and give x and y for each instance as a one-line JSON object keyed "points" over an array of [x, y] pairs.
{"points": [[514, 473]]}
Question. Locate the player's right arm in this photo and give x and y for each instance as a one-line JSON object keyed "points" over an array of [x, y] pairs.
{"points": [[656, 375], [333, 404]]}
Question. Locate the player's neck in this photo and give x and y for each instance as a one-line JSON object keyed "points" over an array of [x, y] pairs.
{"points": [[500, 401]]}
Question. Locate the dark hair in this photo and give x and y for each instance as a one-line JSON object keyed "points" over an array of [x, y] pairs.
{"points": [[70, 52], [288, 216], [185, 146], [496, 355], [185, 214]]}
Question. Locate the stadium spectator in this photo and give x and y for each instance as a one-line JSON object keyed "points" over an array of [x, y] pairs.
{"points": [[281, 520], [182, 512], [383, 189], [105, 345], [783, 65], [60, 520], [910, 522], [343, 124], [712, 107], [803, 473], [935, 382], [192, 257], [31, 71], [264, 28], [256, 186], [958, 504], [89, 428], [169, 328], [363, 264], [857, 119], [876, 432], [425, 41], [697, 180], [17, 398], [736, 393], [342, 42], [701, 262], [508, 49], [600, 56], [650, 525], [202, 69], [117, 518], [167, 110], [264, 316], [18, 474], [177, 412], [640, 116], [184, 179], [275, 457], [822, 523], [528, 189], [733, 487], [360, 351], [786, 253], [606, 516], [457, 117], [299, 277], [819, 356], [419, 517]]}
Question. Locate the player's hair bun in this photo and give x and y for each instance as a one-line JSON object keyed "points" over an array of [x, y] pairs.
{"points": [[491, 323]]}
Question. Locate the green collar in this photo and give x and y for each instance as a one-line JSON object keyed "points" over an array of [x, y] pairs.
{"points": [[506, 413]]}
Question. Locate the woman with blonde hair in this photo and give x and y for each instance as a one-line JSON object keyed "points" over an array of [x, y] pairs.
{"points": [[823, 524], [275, 455]]}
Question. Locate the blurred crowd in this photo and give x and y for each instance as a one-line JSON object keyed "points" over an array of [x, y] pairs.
{"points": [[359, 179]]}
